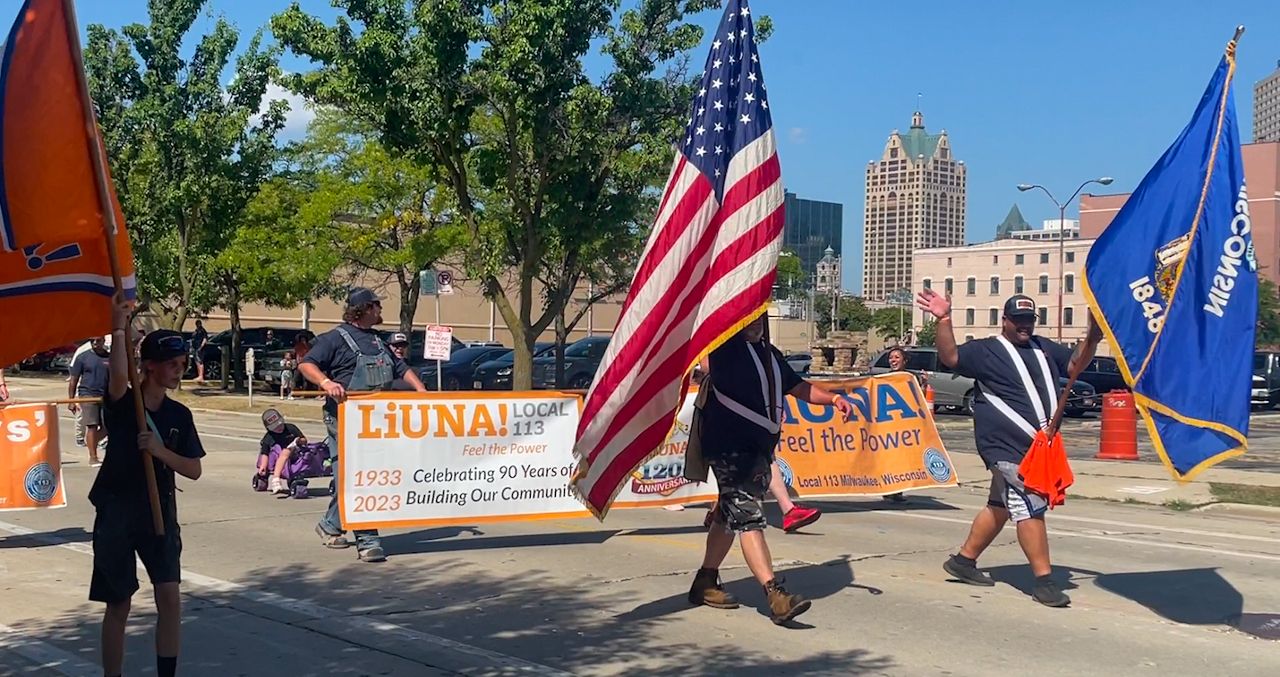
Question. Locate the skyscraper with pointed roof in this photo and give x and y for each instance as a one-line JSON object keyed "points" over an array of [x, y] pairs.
{"points": [[915, 199], [1013, 223]]}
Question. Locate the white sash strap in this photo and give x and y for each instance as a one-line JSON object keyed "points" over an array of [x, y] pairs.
{"points": [[1049, 384], [1008, 412], [746, 413], [1037, 404]]}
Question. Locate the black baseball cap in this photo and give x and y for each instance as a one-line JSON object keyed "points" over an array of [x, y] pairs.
{"points": [[163, 344], [360, 296], [398, 338], [1020, 306]]}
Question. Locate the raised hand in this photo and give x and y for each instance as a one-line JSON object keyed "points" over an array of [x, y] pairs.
{"points": [[933, 303]]}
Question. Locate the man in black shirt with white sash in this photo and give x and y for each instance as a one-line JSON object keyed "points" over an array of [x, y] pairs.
{"points": [[1015, 395], [740, 425]]}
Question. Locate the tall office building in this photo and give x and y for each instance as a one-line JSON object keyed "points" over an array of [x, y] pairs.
{"points": [[915, 199], [810, 227], [1266, 108]]}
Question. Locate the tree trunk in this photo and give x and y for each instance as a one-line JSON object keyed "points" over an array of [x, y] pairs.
{"points": [[562, 337], [237, 364], [409, 295]]}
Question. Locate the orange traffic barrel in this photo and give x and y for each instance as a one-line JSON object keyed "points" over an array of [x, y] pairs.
{"points": [[1119, 440], [929, 397]]}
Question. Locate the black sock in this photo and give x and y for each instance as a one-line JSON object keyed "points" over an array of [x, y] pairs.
{"points": [[1046, 579], [166, 666], [967, 561]]}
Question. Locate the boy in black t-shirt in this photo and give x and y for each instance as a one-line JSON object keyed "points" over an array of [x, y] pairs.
{"points": [[123, 525], [288, 437]]}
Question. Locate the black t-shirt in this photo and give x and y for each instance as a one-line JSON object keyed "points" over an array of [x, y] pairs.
{"points": [[998, 436], [331, 354], [198, 337], [283, 438], [94, 371], [735, 375], [121, 476]]}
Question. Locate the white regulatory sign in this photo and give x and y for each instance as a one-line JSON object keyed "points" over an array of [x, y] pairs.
{"points": [[439, 343]]}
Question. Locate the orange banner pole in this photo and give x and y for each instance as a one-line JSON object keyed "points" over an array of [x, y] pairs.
{"points": [[100, 176]]}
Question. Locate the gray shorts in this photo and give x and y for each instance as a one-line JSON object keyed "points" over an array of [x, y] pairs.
{"points": [[1008, 492], [90, 415]]}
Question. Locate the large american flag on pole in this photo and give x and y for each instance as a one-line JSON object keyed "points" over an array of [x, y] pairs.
{"points": [[707, 271]]}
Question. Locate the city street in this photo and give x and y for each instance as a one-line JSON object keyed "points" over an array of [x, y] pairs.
{"points": [[1155, 591]]}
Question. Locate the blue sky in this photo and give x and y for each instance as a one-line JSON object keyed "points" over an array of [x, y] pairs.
{"points": [[1039, 92]]}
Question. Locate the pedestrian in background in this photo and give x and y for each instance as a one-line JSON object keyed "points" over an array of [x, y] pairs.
{"points": [[88, 378]]}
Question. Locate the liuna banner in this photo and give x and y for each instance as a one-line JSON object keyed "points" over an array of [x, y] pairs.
{"points": [[422, 459], [30, 460]]}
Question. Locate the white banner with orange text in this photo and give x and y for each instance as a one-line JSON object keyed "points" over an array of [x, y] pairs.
{"points": [[422, 459]]}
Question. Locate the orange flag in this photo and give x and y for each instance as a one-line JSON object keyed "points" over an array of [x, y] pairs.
{"points": [[1045, 469], [55, 269]]}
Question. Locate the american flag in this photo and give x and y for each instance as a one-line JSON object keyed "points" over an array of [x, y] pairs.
{"points": [[707, 270]]}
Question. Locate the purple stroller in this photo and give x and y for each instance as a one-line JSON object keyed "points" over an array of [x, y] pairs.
{"points": [[307, 461]]}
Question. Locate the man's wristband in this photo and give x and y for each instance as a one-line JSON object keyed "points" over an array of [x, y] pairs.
{"points": [[945, 318], [326, 382]]}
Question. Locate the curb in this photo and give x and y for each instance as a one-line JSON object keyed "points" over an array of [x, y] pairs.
{"points": [[1246, 509]]}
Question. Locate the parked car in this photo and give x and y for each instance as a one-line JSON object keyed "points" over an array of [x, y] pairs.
{"points": [[458, 372], [54, 359], [269, 363], [250, 337], [1266, 364], [496, 374], [800, 362], [1259, 394], [1103, 373], [581, 360], [954, 391]]}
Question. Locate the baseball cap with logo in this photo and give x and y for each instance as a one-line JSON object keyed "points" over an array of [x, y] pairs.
{"points": [[359, 296], [163, 344], [398, 338], [1020, 306], [273, 421]]}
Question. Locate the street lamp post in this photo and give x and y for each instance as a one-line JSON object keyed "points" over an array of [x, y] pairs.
{"points": [[1062, 232]]}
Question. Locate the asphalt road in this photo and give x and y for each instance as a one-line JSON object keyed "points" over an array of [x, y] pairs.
{"points": [[1155, 592]]}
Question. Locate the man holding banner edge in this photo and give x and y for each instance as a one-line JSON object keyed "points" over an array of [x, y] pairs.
{"points": [[1017, 375]]}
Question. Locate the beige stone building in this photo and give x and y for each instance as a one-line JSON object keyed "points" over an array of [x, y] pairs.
{"points": [[980, 277], [915, 199], [1266, 108]]}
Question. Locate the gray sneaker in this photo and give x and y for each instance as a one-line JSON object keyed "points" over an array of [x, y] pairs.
{"points": [[966, 574], [373, 554], [336, 542], [1050, 595]]}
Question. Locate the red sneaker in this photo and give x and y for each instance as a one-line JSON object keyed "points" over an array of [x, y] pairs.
{"points": [[799, 517]]}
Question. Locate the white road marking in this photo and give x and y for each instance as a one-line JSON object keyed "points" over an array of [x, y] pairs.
{"points": [[489, 662], [1141, 490], [45, 655], [1127, 540]]}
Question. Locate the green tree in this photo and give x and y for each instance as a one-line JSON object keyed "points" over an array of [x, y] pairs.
{"points": [[188, 154], [540, 159], [273, 257], [891, 322], [380, 214], [791, 277], [852, 314], [1268, 331], [928, 334]]}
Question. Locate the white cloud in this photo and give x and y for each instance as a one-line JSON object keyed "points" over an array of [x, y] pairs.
{"points": [[300, 112], [797, 135]]}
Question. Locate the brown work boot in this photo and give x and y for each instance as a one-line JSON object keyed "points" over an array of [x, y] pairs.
{"points": [[784, 606], [706, 591]]}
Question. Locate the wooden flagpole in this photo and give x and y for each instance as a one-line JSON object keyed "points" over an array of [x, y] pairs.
{"points": [[110, 229]]}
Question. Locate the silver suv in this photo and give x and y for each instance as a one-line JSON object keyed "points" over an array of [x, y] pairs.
{"points": [[954, 391]]}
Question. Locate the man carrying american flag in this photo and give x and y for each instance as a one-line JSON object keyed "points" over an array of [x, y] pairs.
{"points": [[707, 272]]}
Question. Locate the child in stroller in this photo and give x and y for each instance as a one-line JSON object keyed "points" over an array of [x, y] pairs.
{"points": [[286, 460]]}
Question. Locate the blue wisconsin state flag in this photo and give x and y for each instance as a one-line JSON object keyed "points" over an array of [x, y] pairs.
{"points": [[1174, 284]]}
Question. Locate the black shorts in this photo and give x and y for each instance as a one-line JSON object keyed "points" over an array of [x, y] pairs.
{"points": [[743, 478], [120, 532]]}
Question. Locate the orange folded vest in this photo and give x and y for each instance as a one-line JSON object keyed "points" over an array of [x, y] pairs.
{"points": [[1045, 469]]}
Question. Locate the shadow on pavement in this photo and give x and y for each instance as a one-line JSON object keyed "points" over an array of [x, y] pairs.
{"points": [[1190, 596], [577, 627], [1019, 576], [434, 540], [64, 535]]}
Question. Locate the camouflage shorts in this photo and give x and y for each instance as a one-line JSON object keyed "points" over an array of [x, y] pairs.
{"points": [[744, 481]]}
